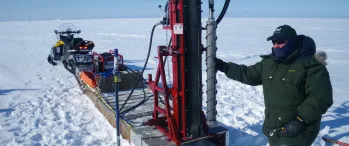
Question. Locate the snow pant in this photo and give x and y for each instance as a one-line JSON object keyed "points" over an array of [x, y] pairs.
{"points": [[305, 139]]}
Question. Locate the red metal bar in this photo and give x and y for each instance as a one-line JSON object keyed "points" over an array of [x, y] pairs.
{"points": [[100, 57], [176, 70], [167, 27], [162, 129], [181, 70], [170, 130], [160, 110], [159, 89]]}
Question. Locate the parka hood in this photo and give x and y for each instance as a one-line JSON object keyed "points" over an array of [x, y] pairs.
{"points": [[308, 48], [306, 45]]}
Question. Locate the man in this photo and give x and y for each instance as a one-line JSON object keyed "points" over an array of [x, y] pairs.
{"points": [[296, 87]]}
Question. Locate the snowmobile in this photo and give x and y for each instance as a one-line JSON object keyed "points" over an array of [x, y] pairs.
{"points": [[93, 69], [70, 49]]}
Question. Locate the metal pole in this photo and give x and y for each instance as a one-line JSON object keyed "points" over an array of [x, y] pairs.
{"points": [[116, 84], [211, 67]]}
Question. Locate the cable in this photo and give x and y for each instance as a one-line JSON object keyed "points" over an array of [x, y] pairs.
{"points": [[127, 68], [137, 105], [144, 99], [221, 15], [167, 17], [224, 10], [145, 64]]}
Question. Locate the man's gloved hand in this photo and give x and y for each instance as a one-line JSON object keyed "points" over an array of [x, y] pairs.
{"points": [[220, 65], [295, 126]]}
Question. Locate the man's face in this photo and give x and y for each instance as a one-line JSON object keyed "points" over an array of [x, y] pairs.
{"points": [[277, 44]]}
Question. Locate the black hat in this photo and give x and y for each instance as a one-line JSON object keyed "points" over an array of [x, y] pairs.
{"points": [[284, 32]]}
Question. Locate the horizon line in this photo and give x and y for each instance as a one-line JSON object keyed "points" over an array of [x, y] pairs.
{"points": [[96, 18]]}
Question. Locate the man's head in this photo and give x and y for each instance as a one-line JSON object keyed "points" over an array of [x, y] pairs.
{"points": [[283, 32], [284, 41]]}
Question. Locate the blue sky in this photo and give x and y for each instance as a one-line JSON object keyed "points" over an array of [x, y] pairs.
{"points": [[76, 9]]}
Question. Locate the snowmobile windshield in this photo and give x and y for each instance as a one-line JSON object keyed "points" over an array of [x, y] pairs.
{"points": [[67, 28], [67, 31]]}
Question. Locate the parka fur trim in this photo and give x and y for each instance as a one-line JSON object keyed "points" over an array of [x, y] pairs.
{"points": [[321, 57]]}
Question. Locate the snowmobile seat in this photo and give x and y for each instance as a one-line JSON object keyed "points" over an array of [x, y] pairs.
{"points": [[80, 46], [76, 42], [66, 39]]}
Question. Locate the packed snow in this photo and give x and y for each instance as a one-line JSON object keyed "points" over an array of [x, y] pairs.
{"points": [[42, 105]]}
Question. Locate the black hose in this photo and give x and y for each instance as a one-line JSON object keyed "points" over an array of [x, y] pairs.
{"points": [[127, 68], [166, 7], [137, 105], [145, 64], [144, 99], [166, 18], [224, 10]]}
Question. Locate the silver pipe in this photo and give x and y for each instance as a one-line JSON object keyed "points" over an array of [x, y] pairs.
{"points": [[211, 66]]}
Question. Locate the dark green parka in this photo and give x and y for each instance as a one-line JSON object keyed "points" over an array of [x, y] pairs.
{"points": [[298, 85]]}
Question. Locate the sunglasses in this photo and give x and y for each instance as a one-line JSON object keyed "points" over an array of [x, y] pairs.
{"points": [[279, 42]]}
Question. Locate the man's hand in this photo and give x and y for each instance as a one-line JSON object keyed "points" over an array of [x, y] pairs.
{"points": [[220, 65], [294, 127]]}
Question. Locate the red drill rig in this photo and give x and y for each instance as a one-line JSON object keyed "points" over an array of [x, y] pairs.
{"points": [[185, 121]]}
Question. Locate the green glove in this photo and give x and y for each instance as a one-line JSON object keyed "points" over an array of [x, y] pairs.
{"points": [[221, 65]]}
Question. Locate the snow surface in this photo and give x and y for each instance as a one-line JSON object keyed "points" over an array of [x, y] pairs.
{"points": [[42, 105]]}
